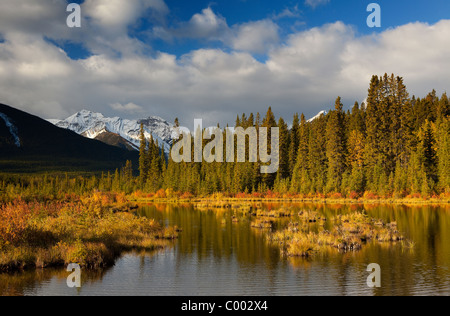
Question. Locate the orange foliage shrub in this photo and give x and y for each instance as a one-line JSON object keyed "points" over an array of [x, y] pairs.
{"points": [[161, 194], [414, 196], [14, 221], [139, 195], [242, 195], [272, 195], [256, 195], [336, 196], [354, 195], [170, 193], [121, 198], [186, 196], [370, 196]]}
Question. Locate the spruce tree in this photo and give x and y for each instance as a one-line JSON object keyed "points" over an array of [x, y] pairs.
{"points": [[336, 148], [143, 159]]}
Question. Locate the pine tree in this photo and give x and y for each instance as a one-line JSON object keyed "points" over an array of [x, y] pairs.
{"points": [[294, 142], [443, 154], [283, 169], [336, 148], [143, 160], [300, 173]]}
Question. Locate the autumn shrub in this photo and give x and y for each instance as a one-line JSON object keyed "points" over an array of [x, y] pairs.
{"points": [[14, 221], [336, 196], [170, 193], [272, 195], [186, 196], [85, 232], [161, 194], [368, 195], [121, 198], [257, 195], [241, 195], [354, 195]]}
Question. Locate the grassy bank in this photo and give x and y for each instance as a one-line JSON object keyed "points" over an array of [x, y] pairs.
{"points": [[91, 231]]}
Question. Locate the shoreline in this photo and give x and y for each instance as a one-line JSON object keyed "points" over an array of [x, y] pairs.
{"points": [[406, 202]]}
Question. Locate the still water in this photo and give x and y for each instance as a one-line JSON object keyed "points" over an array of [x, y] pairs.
{"points": [[216, 256]]}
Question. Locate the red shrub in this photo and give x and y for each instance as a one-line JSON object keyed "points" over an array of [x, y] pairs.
{"points": [[354, 195], [14, 221], [186, 196], [161, 194]]}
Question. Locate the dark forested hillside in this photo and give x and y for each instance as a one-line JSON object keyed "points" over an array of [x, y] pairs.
{"points": [[31, 144]]}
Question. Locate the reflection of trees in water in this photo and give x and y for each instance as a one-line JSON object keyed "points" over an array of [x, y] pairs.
{"points": [[27, 282], [206, 232], [21, 283], [212, 235]]}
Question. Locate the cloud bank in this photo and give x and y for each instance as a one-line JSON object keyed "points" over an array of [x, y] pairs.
{"points": [[124, 76]]}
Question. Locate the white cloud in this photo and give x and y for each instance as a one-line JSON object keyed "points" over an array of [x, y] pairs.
{"points": [[117, 15], [129, 107], [315, 3], [305, 73], [256, 37], [293, 12], [204, 25]]}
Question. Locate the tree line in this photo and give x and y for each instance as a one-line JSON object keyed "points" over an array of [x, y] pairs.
{"points": [[390, 145]]}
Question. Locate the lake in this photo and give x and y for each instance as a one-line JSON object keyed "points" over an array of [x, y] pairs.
{"points": [[216, 256]]}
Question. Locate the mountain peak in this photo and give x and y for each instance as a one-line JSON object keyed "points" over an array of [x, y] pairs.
{"points": [[317, 116], [92, 125]]}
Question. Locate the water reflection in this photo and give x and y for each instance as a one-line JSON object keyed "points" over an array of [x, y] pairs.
{"points": [[217, 256]]}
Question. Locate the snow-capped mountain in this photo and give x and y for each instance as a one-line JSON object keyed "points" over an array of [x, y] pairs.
{"points": [[317, 116], [91, 125], [30, 144]]}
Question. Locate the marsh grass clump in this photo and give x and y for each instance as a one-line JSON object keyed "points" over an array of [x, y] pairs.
{"points": [[278, 213], [311, 216], [87, 232], [211, 205], [263, 223], [349, 233]]}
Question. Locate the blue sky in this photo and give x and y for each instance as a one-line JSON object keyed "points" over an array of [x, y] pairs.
{"points": [[215, 59], [303, 17]]}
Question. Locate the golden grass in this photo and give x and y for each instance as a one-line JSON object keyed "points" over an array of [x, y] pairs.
{"points": [[86, 232], [349, 233]]}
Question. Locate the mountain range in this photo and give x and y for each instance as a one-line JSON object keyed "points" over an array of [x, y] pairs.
{"points": [[124, 133], [31, 144], [117, 131], [85, 141]]}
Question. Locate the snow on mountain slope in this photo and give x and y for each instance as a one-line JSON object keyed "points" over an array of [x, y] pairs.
{"points": [[91, 125], [12, 129], [317, 116]]}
